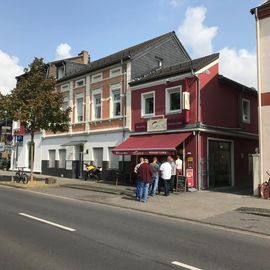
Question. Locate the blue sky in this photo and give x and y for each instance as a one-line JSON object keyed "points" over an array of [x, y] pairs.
{"points": [[35, 28]]}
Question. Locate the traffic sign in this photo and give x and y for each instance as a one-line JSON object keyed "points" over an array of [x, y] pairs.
{"points": [[19, 138]]}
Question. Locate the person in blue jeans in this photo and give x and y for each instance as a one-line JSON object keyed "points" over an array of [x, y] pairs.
{"points": [[137, 177], [154, 185], [145, 174]]}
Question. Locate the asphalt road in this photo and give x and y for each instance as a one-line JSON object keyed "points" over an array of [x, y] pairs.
{"points": [[100, 237]]}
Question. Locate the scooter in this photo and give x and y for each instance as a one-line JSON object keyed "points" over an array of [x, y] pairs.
{"points": [[93, 173]]}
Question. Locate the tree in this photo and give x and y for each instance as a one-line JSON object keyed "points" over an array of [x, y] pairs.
{"points": [[36, 103]]}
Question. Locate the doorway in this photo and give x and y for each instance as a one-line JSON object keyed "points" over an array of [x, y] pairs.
{"points": [[220, 163]]}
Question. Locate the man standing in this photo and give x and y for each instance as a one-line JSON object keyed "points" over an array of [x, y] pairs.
{"points": [[155, 169], [179, 165], [166, 174], [170, 159], [137, 177], [145, 174]]}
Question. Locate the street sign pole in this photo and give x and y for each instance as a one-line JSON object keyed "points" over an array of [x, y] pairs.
{"points": [[13, 157]]}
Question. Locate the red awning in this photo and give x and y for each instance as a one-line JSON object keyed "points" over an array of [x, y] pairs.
{"points": [[156, 144]]}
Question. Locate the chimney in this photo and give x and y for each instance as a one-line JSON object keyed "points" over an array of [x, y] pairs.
{"points": [[85, 57]]}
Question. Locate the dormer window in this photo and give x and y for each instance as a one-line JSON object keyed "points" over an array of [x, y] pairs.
{"points": [[245, 111], [60, 72], [159, 61]]}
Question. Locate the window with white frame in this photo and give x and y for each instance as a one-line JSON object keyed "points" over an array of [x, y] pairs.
{"points": [[80, 83], [51, 158], [62, 158], [245, 111], [60, 72], [65, 87], [173, 99], [79, 109], [96, 78], [115, 99], [115, 71], [97, 102], [148, 104], [65, 103]]}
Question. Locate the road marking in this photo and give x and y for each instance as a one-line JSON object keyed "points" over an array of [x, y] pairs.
{"points": [[185, 265], [48, 222]]}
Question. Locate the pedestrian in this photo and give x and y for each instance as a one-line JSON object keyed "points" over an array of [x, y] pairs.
{"points": [[155, 178], [145, 174], [137, 177], [166, 173], [172, 181], [179, 165]]}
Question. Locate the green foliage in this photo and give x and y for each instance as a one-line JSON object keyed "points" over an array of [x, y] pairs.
{"points": [[35, 101]]}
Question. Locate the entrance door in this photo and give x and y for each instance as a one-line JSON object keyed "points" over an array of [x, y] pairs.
{"points": [[219, 163]]}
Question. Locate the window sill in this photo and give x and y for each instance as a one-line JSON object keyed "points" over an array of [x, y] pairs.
{"points": [[77, 87], [173, 112], [148, 116]]}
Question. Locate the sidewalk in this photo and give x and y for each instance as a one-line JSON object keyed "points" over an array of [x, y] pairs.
{"points": [[212, 207]]}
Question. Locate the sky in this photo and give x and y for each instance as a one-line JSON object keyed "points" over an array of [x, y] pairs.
{"points": [[55, 29]]}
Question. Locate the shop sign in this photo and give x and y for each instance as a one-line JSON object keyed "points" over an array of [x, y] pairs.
{"points": [[157, 125], [190, 178], [145, 153], [140, 127]]}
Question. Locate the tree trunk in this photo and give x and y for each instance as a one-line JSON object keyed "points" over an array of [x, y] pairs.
{"points": [[32, 157]]}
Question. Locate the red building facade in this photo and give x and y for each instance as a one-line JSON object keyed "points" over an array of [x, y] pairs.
{"points": [[191, 110]]}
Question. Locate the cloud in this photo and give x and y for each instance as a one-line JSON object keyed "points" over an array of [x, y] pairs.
{"points": [[194, 34], [239, 65], [9, 69], [63, 51], [176, 3]]}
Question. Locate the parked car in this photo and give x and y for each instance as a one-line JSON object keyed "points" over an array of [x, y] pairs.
{"points": [[4, 164]]}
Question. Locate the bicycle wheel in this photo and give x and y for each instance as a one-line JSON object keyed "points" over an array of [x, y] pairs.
{"points": [[17, 177], [24, 178]]}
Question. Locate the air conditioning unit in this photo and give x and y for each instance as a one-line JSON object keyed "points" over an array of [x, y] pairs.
{"points": [[186, 101]]}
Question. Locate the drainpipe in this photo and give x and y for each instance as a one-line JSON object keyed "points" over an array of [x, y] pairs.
{"points": [[198, 124], [261, 173]]}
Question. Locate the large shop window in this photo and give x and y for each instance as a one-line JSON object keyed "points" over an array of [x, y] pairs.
{"points": [[97, 106], [246, 111], [148, 104], [62, 158], [98, 156], [79, 109], [173, 99], [51, 158], [113, 160]]}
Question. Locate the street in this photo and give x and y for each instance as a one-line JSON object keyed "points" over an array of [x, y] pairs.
{"points": [[42, 232]]}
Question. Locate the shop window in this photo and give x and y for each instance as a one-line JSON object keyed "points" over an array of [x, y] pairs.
{"points": [[113, 160], [62, 158], [148, 104], [51, 158], [245, 111], [98, 156], [173, 99]]}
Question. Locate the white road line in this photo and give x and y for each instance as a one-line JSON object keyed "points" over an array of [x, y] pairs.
{"points": [[48, 222], [185, 265]]}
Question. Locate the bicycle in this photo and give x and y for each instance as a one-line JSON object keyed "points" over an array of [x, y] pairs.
{"points": [[21, 176]]}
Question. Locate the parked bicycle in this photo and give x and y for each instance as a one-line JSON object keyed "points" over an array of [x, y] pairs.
{"points": [[21, 176]]}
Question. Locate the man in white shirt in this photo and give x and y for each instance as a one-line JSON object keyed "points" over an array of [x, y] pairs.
{"points": [[166, 174], [179, 165]]}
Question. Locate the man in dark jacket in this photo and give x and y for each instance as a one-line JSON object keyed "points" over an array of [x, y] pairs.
{"points": [[145, 174]]}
